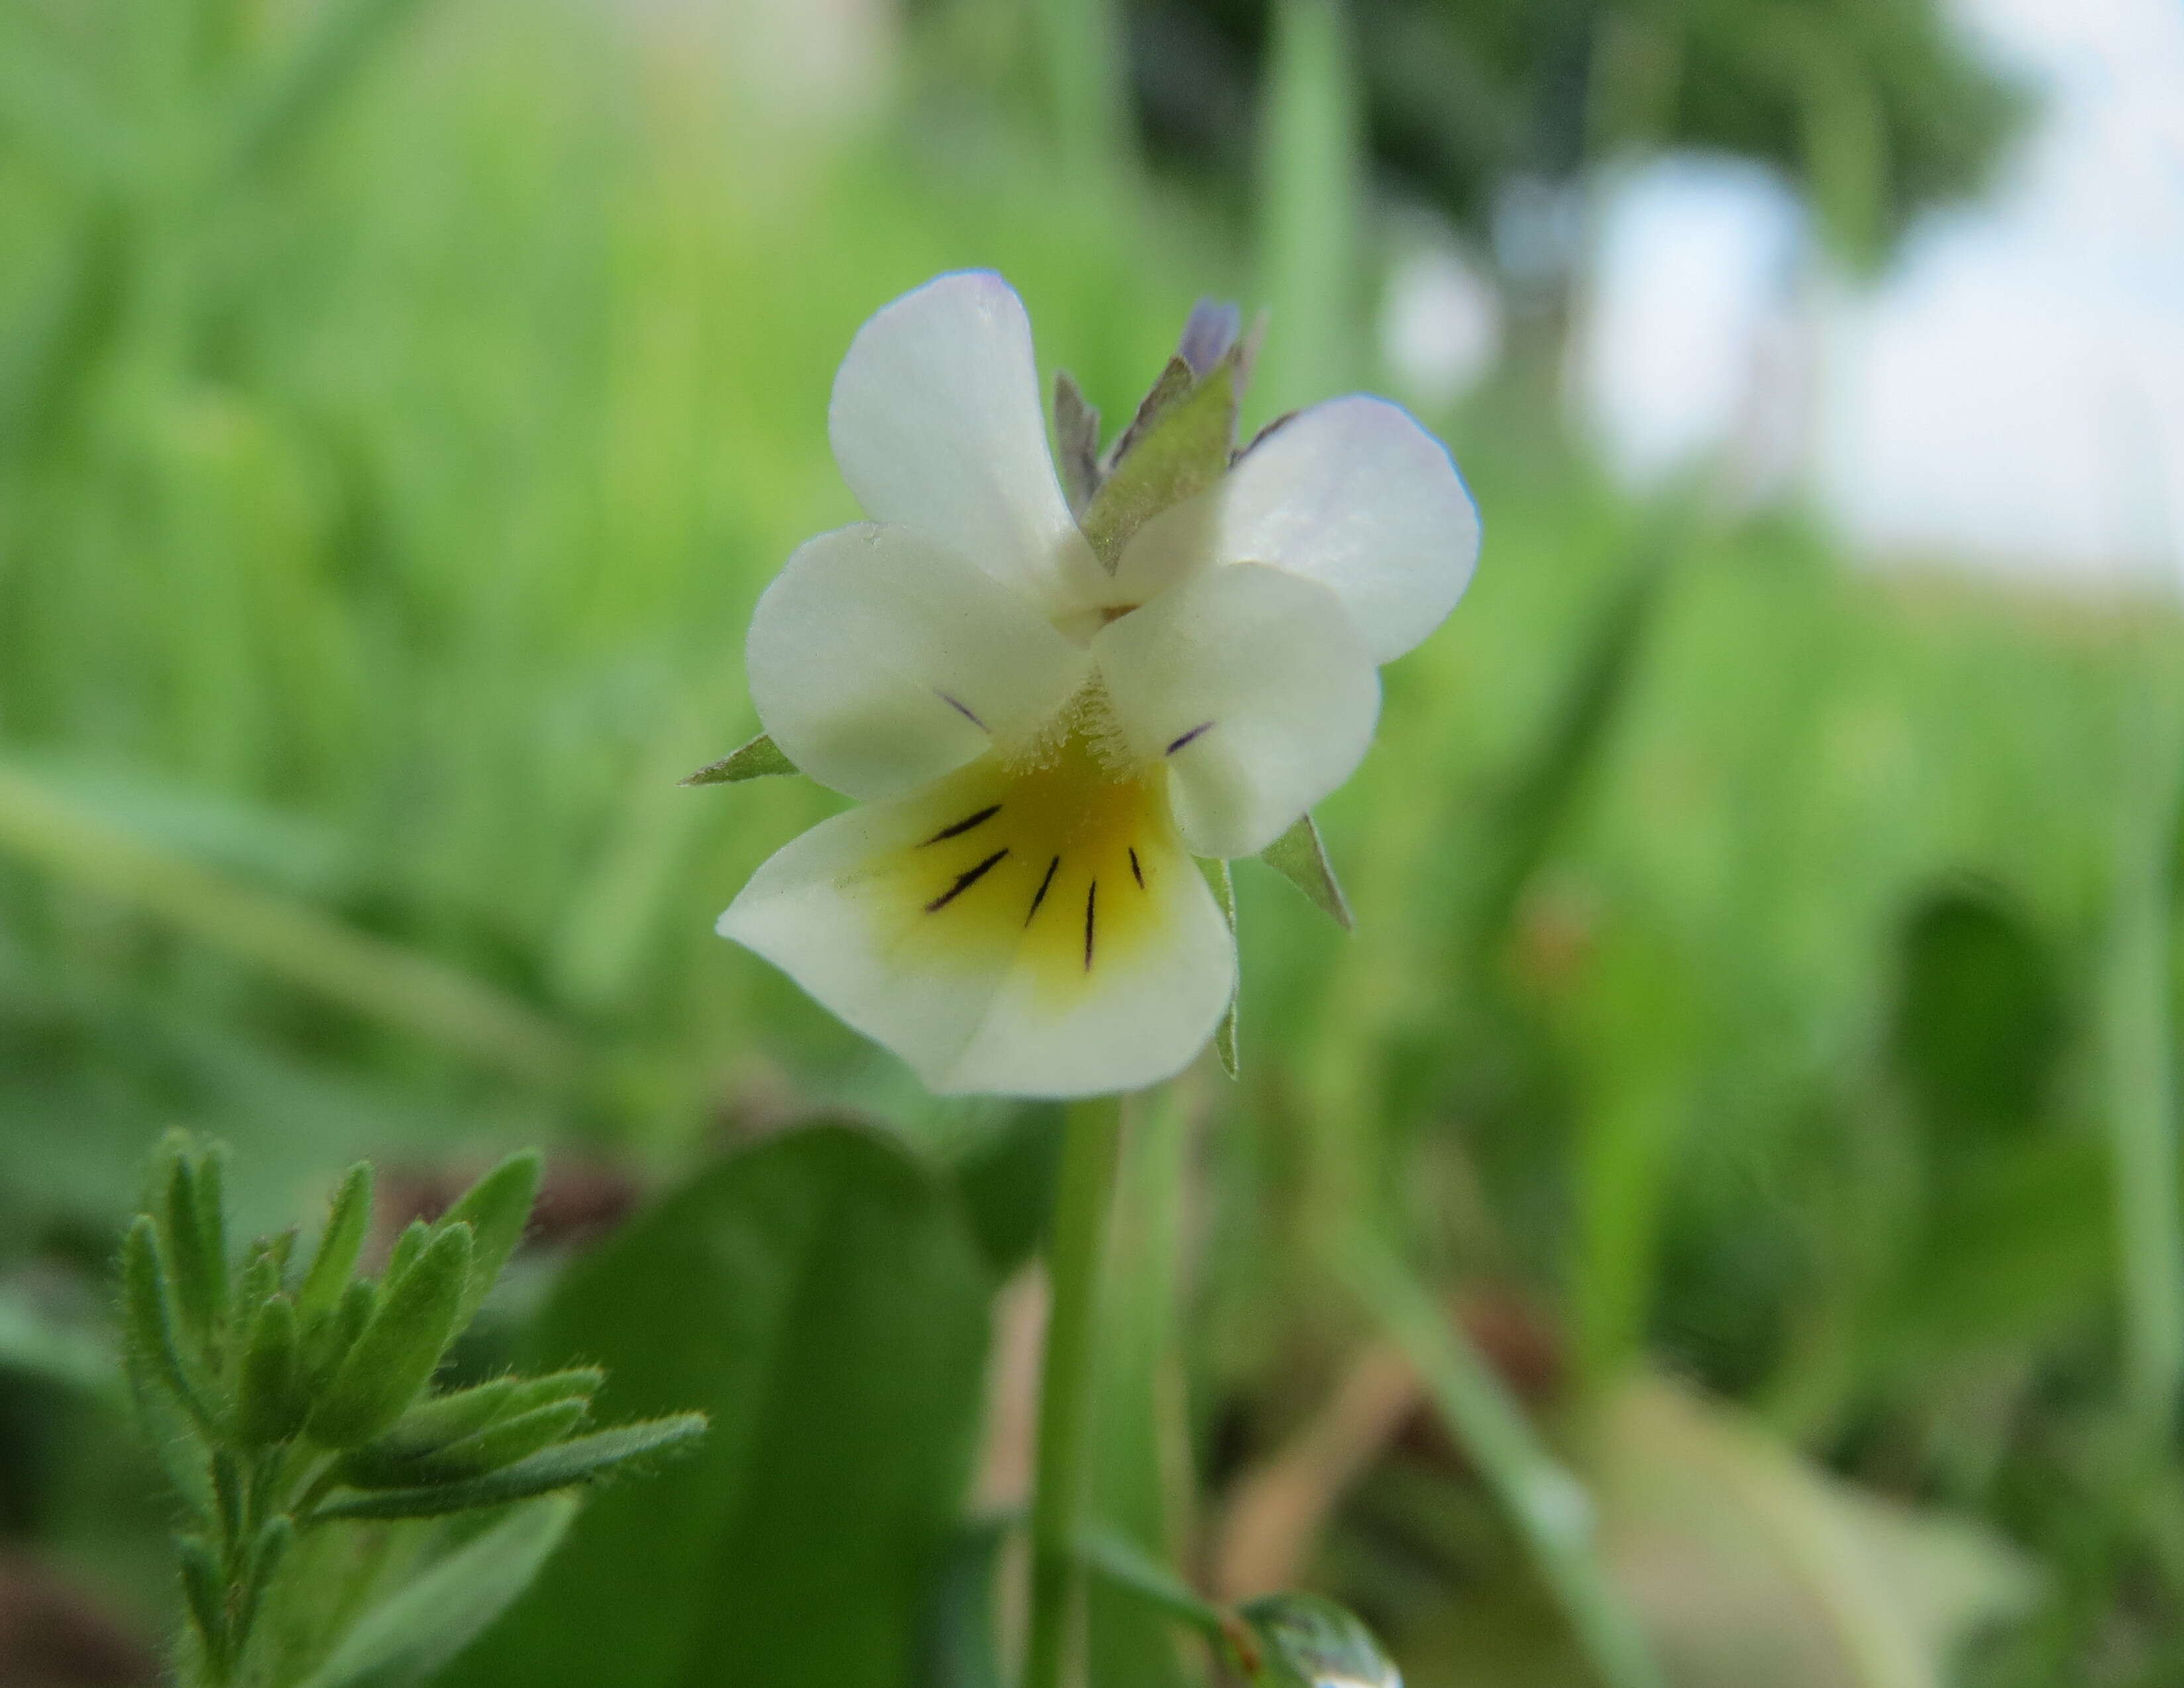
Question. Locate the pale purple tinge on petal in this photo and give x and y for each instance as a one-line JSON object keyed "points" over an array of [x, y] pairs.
{"points": [[1253, 687], [938, 423], [974, 1006], [1352, 494], [879, 661]]}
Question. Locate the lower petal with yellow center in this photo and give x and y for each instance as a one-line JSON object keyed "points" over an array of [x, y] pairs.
{"points": [[1029, 924]]}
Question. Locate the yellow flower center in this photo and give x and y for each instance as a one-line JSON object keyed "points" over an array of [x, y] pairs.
{"points": [[1055, 852]]}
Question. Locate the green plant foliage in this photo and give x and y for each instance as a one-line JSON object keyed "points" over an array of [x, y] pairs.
{"points": [[821, 1297], [285, 1419]]}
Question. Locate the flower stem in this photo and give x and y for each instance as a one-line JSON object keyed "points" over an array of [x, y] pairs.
{"points": [[1092, 1141]]}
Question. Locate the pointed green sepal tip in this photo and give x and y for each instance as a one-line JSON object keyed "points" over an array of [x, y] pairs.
{"points": [[1179, 444], [270, 1399], [1300, 856], [334, 1261], [1224, 887], [1304, 1640], [756, 761], [1076, 443], [625, 1449], [497, 1210], [395, 1354]]}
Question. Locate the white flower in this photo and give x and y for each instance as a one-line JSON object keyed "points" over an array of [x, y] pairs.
{"points": [[1042, 745]]}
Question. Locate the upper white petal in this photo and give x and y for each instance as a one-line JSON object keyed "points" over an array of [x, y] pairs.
{"points": [[1254, 688], [878, 661], [1352, 493], [937, 423]]}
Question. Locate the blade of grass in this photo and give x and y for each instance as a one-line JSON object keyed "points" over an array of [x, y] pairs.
{"points": [[287, 937], [1311, 172], [2137, 1021], [1548, 1506], [1080, 52]]}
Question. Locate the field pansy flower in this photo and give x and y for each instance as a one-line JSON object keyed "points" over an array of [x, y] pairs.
{"points": [[1041, 741]]}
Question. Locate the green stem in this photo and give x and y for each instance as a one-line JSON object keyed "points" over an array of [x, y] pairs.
{"points": [[1548, 1506], [1090, 1148]]}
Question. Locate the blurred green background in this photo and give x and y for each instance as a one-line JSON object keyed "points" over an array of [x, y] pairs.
{"points": [[1761, 1011]]}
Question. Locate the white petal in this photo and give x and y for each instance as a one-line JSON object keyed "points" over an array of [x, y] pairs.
{"points": [[982, 956], [1254, 689], [938, 424], [1352, 493], [879, 661]]}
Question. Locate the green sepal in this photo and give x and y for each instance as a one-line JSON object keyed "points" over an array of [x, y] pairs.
{"points": [[1076, 443], [1225, 893], [1179, 446], [270, 1399], [348, 1219], [580, 1459], [148, 1314], [327, 1343], [1299, 857], [755, 761], [1304, 1640], [497, 1208], [397, 1352], [203, 1589]]}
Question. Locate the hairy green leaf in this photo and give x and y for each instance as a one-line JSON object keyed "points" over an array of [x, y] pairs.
{"points": [[496, 1208], [270, 1400], [579, 1460], [397, 1352]]}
